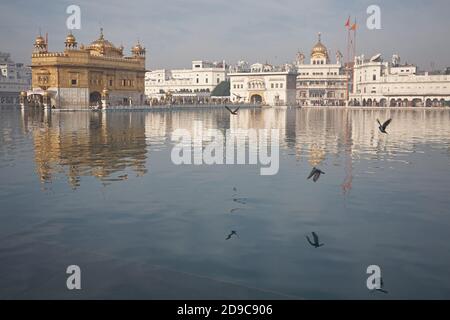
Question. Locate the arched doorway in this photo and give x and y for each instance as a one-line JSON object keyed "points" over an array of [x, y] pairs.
{"points": [[392, 103], [417, 102], [95, 98], [256, 98], [35, 100], [405, 102], [435, 103]]}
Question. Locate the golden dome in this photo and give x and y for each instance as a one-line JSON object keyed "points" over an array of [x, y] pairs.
{"points": [[70, 38], [70, 41], [319, 50], [39, 40], [104, 47], [138, 49], [40, 45]]}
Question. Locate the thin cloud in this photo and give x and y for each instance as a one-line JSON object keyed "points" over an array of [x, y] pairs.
{"points": [[177, 31]]}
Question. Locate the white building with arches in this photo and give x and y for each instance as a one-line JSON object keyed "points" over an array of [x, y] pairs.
{"points": [[187, 85], [380, 83], [321, 82], [263, 84]]}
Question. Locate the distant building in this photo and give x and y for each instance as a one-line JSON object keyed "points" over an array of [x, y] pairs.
{"points": [[263, 84], [380, 83], [185, 85], [321, 83], [14, 78], [98, 74]]}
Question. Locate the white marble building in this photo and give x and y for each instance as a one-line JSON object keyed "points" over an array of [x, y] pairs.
{"points": [[321, 82], [185, 84], [14, 78], [263, 84], [380, 83]]}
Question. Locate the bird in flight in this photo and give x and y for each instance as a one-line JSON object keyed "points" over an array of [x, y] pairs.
{"points": [[240, 200], [383, 126], [315, 174], [233, 233], [233, 112], [237, 96], [314, 243]]}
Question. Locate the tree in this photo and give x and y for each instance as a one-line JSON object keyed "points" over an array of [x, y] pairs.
{"points": [[222, 89]]}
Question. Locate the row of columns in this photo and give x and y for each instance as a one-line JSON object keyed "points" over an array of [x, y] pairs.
{"points": [[46, 100], [398, 102]]}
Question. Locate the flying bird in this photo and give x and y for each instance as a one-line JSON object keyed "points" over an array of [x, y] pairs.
{"points": [[237, 96], [383, 126], [314, 243], [315, 174], [240, 200], [233, 112], [233, 233]]}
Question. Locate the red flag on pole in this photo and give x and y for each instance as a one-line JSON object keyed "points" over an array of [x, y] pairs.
{"points": [[347, 24]]}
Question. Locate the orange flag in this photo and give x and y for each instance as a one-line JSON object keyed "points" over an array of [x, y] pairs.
{"points": [[354, 26], [347, 24]]}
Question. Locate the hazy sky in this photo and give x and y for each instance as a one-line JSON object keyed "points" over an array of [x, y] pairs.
{"points": [[178, 31]]}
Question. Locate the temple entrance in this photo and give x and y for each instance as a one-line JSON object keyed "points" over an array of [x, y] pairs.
{"points": [[35, 100], [95, 98], [256, 98]]}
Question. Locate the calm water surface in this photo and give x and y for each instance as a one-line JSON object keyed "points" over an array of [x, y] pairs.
{"points": [[99, 190]]}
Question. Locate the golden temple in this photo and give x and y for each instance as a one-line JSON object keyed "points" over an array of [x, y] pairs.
{"points": [[97, 75]]}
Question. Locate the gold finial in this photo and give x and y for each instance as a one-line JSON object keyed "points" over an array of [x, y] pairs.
{"points": [[320, 36]]}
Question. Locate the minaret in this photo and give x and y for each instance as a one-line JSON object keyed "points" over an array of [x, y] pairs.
{"points": [[71, 42], [138, 51], [40, 45]]}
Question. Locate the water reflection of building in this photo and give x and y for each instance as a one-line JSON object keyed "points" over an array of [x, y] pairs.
{"points": [[89, 144], [106, 145]]}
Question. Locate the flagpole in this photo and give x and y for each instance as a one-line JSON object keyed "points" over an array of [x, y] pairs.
{"points": [[354, 41], [348, 45], [346, 65]]}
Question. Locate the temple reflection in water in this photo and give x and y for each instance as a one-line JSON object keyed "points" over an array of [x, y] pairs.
{"points": [[87, 144], [111, 145]]}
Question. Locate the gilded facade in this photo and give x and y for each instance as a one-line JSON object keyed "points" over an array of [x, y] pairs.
{"points": [[98, 75]]}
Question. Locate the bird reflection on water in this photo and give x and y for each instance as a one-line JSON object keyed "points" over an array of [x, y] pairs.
{"points": [[159, 213]]}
